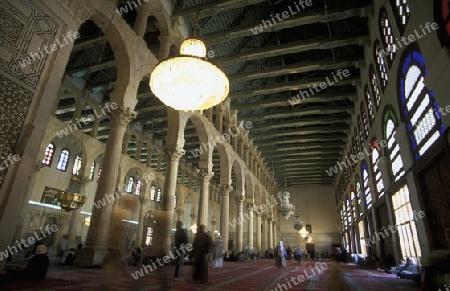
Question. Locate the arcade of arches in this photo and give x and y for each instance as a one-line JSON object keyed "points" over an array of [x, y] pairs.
{"points": [[360, 155]]}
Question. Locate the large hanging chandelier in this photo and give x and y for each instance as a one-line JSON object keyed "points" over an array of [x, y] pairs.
{"points": [[189, 82], [298, 223], [286, 208], [71, 199]]}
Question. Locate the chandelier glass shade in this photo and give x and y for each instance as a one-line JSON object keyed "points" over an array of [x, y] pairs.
{"points": [[286, 208], [298, 223], [188, 82], [71, 199], [303, 232]]}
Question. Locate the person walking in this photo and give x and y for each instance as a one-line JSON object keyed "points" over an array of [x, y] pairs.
{"points": [[180, 239], [279, 255], [298, 252], [219, 253], [202, 245]]}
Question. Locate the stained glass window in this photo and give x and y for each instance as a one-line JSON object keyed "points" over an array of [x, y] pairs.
{"points": [[381, 67], [152, 193], [402, 8], [63, 160], [366, 186], [361, 132], [92, 171], [137, 190], [130, 184], [369, 104], [76, 165], [360, 195], [375, 87], [99, 173], [48, 155], [376, 172], [364, 121], [158, 195], [353, 202], [393, 148], [387, 36], [417, 104]]}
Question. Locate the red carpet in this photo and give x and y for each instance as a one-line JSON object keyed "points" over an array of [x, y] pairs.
{"points": [[262, 276]]}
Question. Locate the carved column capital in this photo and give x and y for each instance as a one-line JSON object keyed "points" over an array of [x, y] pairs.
{"points": [[250, 207], [38, 166], [206, 175], [239, 198], [175, 154], [264, 217], [226, 189], [122, 115]]}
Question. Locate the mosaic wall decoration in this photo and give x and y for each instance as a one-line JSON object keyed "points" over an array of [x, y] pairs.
{"points": [[26, 27]]}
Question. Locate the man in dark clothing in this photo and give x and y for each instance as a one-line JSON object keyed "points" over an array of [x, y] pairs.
{"points": [[180, 239], [201, 247], [36, 268]]}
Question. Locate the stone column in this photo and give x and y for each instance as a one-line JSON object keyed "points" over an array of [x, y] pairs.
{"points": [[213, 226], [164, 49], [140, 232], [98, 233], [164, 215], [202, 218], [258, 232], [265, 233], [225, 213], [250, 209], [126, 142], [140, 23], [270, 232], [275, 233], [94, 132], [209, 114], [240, 227]]}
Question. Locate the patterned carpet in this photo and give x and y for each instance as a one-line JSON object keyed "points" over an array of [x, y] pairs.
{"points": [[261, 276]]}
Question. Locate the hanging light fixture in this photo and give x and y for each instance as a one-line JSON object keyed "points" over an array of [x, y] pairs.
{"points": [[298, 223], [303, 232], [286, 208], [189, 82]]}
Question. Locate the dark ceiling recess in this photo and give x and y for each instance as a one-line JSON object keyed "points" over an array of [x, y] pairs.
{"points": [[266, 70]]}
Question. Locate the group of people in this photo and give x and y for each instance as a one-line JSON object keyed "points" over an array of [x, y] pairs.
{"points": [[281, 255]]}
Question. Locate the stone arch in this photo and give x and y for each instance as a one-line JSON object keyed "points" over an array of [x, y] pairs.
{"points": [[249, 187], [237, 169]]}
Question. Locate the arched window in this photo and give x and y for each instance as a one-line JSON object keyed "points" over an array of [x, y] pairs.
{"points": [[375, 87], [387, 37], [381, 67], [76, 165], [152, 193], [360, 196], [348, 210], [158, 195], [366, 186], [130, 184], [442, 17], [48, 155], [63, 159], [361, 132], [369, 104], [354, 152], [353, 202], [376, 172], [99, 173], [393, 148], [402, 8], [420, 110], [92, 171], [137, 191], [342, 216], [364, 121]]}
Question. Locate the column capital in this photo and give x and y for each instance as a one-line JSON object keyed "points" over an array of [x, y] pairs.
{"points": [[263, 216], [175, 153], [226, 189], [179, 211], [205, 174], [250, 207], [38, 166], [122, 115], [143, 200], [239, 198]]}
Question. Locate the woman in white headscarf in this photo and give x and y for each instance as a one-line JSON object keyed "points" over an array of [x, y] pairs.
{"points": [[278, 254], [219, 253]]}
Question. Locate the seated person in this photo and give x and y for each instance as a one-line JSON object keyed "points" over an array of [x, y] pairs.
{"points": [[410, 264], [36, 268]]}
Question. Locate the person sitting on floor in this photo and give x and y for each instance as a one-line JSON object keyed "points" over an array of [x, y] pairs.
{"points": [[36, 268]]}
